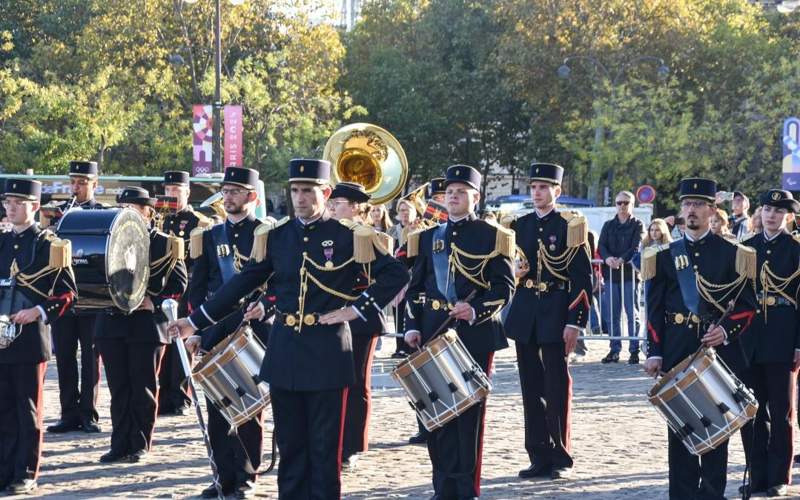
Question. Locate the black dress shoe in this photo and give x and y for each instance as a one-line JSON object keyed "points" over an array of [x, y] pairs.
{"points": [[612, 357], [113, 456], [561, 473], [750, 489], [536, 470], [779, 490], [211, 491], [64, 426], [245, 490], [137, 456], [418, 438], [22, 487], [634, 358], [89, 427]]}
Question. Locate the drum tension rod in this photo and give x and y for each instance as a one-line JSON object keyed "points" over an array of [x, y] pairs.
{"points": [[433, 396], [241, 392], [468, 375], [739, 395], [453, 387], [705, 421], [226, 402], [256, 379], [686, 430], [723, 408], [419, 405]]}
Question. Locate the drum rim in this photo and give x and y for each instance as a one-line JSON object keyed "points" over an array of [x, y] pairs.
{"points": [[707, 356], [207, 365]]}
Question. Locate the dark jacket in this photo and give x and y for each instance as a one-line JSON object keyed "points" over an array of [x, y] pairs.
{"points": [[622, 241]]}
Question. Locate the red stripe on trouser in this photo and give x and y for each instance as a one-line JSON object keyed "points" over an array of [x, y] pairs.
{"points": [[42, 368], [479, 456], [341, 437]]}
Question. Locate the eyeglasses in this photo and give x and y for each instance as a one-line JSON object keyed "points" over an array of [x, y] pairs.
{"points": [[623, 202], [233, 192], [694, 203]]}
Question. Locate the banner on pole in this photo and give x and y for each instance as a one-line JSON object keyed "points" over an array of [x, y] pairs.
{"points": [[791, 154], [233, 135], [202, 139]]}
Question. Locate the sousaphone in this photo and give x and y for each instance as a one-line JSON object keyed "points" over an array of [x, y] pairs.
{"points": [[371, 156]]}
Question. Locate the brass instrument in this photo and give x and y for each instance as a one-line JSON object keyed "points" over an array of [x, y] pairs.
{"points": [[371, 156], [215, 203], [165, 205]]}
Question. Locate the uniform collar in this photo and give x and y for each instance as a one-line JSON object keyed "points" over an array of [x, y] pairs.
{"points": [[248, 218], [87, 203], [774, 236], [457, 222], [30, 230], [701, 238], [543, 215]]}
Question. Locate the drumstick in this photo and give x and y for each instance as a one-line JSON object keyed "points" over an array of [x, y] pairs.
{"points": [[446, 323], [170, 309]]}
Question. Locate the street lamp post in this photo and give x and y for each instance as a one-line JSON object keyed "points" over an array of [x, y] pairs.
{"points": [[564, 72]]}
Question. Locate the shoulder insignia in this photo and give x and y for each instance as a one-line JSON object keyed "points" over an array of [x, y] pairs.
{"points": [[577, 230], [386, 241], [412, 243], [648, 264], [746, 263], [507, 220], [505, 242], [60, 253], [349, 224], [363, 243], [175, 247], [196, 241], [749, 237], [260, 235]]}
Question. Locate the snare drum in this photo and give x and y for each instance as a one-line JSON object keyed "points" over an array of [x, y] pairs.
{"points": [[110, 257], [228, 375], [442, 380], [9, 331], [702, 401]]}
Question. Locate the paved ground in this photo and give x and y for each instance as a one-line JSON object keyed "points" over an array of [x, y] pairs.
{"points": [[619, 443]]}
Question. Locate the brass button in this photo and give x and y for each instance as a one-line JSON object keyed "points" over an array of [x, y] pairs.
{"points": [[541, 229], [771, 301], [16, 247], [436, 305], [291, 320], [679, 318], [697, 254], [305, 238], [309, 320], [695, 318], [769, 251], [235, 235]]}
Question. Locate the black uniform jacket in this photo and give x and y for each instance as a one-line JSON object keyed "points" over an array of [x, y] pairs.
{"points": [[539, 316], [318, 257], [38, 283], [671, 333], [478, 238]]}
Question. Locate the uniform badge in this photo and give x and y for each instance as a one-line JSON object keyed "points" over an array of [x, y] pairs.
{"points": [[223, 250], [438, 246], [552, 246], [681, 262], [183, 227], [327, 249]]}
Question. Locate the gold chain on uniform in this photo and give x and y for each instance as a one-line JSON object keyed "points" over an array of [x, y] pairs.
{"points": [[707, 289], [555, 264], [473, 273], [305, 276], [772, 283], [28, 280]]}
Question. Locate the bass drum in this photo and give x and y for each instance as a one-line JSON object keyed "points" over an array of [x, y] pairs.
{"points": [[110, 257]]}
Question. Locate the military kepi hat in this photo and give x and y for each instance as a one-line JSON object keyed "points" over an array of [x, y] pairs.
{"points": [[436, 186], [309, 170], [546, 172], [83, 169], [352, 191], [697, 187], [27, 189], [176, 177], [238, 176], [463, 174], [780, 198], [135, 195]]}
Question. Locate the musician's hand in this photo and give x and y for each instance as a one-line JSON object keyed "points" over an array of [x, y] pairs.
{"points": [[796, 363], [652, 366], [462, 310], [26, 316], [570, 339], [180, 328], [714, 337], [146, 305], [192, 344], [670, 220], [342, 315], [413, 338], [255, 311]]}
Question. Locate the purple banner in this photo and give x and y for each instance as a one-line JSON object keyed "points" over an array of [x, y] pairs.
{"points": [[202, 139], [791, 154], [233, 136]]}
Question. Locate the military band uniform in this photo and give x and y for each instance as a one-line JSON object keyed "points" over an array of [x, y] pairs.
{"points": [[720, 271], [173, 394], [78, 394], [132, 345], [313, 267], [451, 262], [215, 260], [775, 337], [553, 294], [35, 269]]}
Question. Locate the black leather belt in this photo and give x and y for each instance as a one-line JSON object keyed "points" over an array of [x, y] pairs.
{"points": [[775, 301], [309, 319], [543, 286]]}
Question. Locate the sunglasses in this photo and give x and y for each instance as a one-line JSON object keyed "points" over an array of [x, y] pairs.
{"points": [[623, 203]]}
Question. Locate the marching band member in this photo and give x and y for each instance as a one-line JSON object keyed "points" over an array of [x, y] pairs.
{"points": [[692, 280], [312, 263], [776, 350], [37, 287], [132, 345], [78, 405], [173, 395], [550, 308], [451, 262], [219, 253]]}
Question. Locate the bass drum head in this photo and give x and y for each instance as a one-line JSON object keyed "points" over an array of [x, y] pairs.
{"points": [[128, 260]]}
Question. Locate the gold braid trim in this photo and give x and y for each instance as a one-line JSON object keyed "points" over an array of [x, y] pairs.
{"points": [[474, 273], [557, 264], [707, 290], [773, 283]]}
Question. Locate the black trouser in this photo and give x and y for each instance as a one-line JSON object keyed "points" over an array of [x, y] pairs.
{"points": [[69, 331], [546, 399], [359, 398], [21, 416], [132, 376], [174, 388], [238, 456], [456, 449], [696, 478], [309, 428], [770, 450], [399, 322]]}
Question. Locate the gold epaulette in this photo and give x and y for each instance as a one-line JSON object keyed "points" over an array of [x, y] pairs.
{"points": [[60, 253], [363, 247], [749, 237], [260, 235], [577, 228], [386, 241], [746, 261], [196, 241], [349, 224], [412, 243], [648, 264], [203, 221], [505, 242], [175, 247], [507, 220]]}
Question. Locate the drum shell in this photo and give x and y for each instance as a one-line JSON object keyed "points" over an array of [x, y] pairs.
{"points": [[110, 257]]}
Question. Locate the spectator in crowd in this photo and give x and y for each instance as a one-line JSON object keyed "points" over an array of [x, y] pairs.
{"points": [[379, 218], [755, 222], [619, 241], [657, 234], [677, 225], [740, 220], [406, 217], [718, 223]]}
